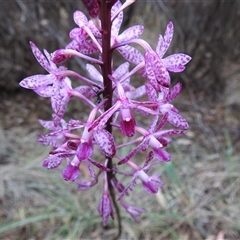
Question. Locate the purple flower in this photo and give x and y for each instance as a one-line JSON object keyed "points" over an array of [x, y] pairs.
{"points": [[135, 212], [157, 68], [56, 156], [53, 85], [84, 185], [59, 134], [128, 52], [151, 184], [112, 103], [156, 72], [154, 138], [103, 139], [45, 85], [175, 62], [105, 206], [71, 172], [163, 99], [124, 104]]}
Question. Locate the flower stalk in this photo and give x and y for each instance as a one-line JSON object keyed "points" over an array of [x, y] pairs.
{"points": [[105, 16], [113, 105]]}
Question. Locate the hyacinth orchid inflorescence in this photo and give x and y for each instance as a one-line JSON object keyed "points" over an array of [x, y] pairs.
{"points": [[112, 130]]}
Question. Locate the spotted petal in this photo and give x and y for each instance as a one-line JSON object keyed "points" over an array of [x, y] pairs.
{"points": [[164, 42], [156, 72], [177, 120], [52, 162], [176, 62], [131, 54], [174, 92], [131, 33], [40, 57], [118, 20], [44, 91], [105, 209], [80, 19], [105, 142], [37, 81], [121, 71], [94, 73]]}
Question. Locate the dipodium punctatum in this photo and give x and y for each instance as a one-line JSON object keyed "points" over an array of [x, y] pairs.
{"points": [[112, 129]]}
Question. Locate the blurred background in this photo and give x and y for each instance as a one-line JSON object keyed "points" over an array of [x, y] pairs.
{"points": [[200, 199]]}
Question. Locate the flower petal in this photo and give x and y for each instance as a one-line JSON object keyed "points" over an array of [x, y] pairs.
{"points": [[53, 161], [133, 211], [94, 73], [56, 98], [101, 121], [91, 171], [129, 187], [151, 92], [116, 24], [84, 185], [161, 154], [176, 62], [40, 57], [162, 122], [70, 173], [99, 165], [177, 120], [130, 33], [84, 150], [77, 33], [94, 29], [86, 91], [156, 72], [164, 43], [44, 91], [127, 127], [48, 124], [80, 19], [136, 93], [61, 110], [174, 92], [131, 54], [105, 208], [131, 154], [151, 184], [121, 70], [105, 142], [37, 81], [88, 47], [170, 132]]}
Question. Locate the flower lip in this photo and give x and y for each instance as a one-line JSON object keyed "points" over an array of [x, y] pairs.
{"points": [[70, 173], [84, 150], [127, 126]]}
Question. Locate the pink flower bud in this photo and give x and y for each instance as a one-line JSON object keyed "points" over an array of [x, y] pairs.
{"points": [[105, 208]]}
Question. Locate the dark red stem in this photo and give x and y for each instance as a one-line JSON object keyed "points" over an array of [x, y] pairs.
{"points": [[105, 16]]}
